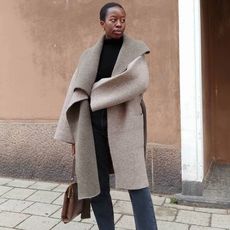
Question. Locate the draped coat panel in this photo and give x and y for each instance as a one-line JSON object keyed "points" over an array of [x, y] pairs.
{"points": [[122, 95]]}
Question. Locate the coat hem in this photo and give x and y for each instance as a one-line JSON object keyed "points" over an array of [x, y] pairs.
{"points": [[60, 138], [132, 187]]}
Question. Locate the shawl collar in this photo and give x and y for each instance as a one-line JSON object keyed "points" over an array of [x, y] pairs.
{"points": [[89, 60]]}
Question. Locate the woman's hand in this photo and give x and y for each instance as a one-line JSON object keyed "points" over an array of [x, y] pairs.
{"points": [[73, 150]]}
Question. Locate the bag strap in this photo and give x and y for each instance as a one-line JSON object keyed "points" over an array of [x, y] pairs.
{"points": [[73, 175]]}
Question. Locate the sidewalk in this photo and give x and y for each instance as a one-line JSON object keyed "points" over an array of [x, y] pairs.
{"points": [[33, 205]]}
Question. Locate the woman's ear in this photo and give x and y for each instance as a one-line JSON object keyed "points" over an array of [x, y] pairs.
{"points": [[102, 23]]}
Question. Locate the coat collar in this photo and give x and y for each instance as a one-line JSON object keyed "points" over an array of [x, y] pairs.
{"points": [[89, 61]]}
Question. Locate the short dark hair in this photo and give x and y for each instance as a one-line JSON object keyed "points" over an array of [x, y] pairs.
{"points": [[105, 8]]}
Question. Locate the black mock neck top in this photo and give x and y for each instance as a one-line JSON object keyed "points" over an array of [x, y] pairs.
{"points": [[109, 53], [108, 57]]}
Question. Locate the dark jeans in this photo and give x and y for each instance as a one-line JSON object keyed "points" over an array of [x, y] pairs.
{"points": [[142, 205]]}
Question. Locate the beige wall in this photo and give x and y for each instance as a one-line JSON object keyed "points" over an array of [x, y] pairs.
{"points": [[40, 43]]}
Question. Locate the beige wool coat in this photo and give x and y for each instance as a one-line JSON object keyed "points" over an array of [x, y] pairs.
{"points": [[122, 95]]}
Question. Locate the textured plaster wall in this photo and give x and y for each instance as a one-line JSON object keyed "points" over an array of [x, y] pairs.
{"points": [[40, 43]]}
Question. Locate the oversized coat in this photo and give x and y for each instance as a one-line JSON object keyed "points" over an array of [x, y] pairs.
{"points": [[122, 95]]}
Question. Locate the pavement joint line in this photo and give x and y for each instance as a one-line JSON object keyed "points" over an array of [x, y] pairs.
{"points": [[15, 186], [4, 202], [55, 225], [21, 222], [20, 198], [54, 188], [210, 220], [53, 213], [116, 201], [27, 207], [30, 194], [33, 202], [118, 219], [177, 211], [6, 191]]}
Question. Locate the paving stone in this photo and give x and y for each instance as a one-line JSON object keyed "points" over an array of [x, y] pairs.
{"points": [[92, 220], [191, 217], [220, 221], [120, 195], [38, 223], [44, 185], [18, 193], [2, 200], [60, 188], [167, 200], [114, 201], [95, 227], [177, 206], [15, 205], [59, 200], [57, 215], [212, 210], [165, 225], [4, 180], [41, 209], [20, 183], [2, 228], [44, 196], [73, 225], [126, 222], [124, 207], [194, 227], [164, 213], [158, 200], [10, 219], [4, 189]]}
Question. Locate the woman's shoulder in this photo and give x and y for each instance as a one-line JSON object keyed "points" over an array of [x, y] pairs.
{"points": [[136, 44], [134, 40]]}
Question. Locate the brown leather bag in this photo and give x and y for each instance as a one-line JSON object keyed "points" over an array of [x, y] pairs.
{"points": [[72, 207]]}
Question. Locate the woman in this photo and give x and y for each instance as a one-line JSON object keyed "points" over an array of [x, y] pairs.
{"points": [[103, 117]]}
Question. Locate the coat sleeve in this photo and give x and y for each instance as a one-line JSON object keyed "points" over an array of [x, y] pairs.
{"points": [[122, 87], [63, 131]]}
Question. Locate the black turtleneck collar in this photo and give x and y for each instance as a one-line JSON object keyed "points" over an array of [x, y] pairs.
{"points": [[114, 41]]}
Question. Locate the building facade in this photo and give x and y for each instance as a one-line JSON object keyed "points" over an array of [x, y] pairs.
{"points": [[41, 42]]}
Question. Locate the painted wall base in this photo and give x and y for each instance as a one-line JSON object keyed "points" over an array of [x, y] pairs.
{"points": [[192, 188], [28, 150]]}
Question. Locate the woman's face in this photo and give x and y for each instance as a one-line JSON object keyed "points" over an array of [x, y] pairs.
{"points": [[114, 24]]}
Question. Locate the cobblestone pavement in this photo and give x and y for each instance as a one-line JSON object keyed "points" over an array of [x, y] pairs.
{"points": [[36, 205]]}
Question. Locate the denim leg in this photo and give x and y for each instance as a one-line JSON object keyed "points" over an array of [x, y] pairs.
{"points": [[143, 210], [102, 204]]}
